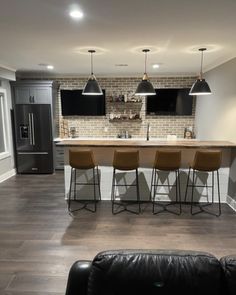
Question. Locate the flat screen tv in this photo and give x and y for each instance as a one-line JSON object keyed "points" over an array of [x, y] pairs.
{"points": [[170, 102], [73, 103]]}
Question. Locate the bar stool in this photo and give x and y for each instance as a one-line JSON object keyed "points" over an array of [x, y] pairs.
{"points": [[169, 161], [125, 160], [83, 160], [205, 161]]}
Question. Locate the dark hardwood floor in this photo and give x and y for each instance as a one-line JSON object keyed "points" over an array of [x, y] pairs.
{"points": [[39, 240]]}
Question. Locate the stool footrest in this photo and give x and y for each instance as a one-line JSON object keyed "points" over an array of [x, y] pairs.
{"points": [[164, 207], [85, 206], [124, 205]]}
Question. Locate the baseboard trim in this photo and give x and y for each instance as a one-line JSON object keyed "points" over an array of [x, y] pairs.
{"points": [[231, 202], [7, 175]]}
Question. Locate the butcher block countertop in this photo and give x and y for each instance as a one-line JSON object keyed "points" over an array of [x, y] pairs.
{"points": [[140, 143]]}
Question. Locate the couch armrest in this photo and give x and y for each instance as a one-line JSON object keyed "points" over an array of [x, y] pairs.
{"points": [[229, 266], [78, 278]]}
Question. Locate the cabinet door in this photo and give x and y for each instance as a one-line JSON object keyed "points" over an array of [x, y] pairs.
{"points": [[22, 95], [32, 95], [41, 95]]}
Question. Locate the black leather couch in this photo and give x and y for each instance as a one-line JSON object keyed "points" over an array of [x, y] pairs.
{"points": [[149, 272]]}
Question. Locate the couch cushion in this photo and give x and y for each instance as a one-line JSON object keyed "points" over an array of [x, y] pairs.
{"points": [[229, 267], [164, 272]]}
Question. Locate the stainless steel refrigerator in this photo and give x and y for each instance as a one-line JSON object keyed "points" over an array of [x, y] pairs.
{"points": [[33, 138]]}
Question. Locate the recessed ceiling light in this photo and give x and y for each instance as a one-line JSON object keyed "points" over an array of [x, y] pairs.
{"points": [[76, 14], [156, 66], [50, 67]]}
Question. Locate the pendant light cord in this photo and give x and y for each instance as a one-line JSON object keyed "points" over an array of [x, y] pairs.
{"points": [[145, 68], [201, 65], [201, 49], [91, 63], [145, 63]]}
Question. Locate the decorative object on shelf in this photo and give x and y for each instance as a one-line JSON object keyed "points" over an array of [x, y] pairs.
{"points": [[92, 87], [125, 98], [124, 134], [188, 132], [72, 132], [64, 128], [145, 87], [115, 117], [200, 86]]}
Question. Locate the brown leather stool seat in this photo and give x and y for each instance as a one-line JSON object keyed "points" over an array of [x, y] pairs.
{"points": [[125, 160], [205, 161], [169, 161], [83, 160]]}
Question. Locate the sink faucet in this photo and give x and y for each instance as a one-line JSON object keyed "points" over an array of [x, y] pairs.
{"points": [[148, 129]]}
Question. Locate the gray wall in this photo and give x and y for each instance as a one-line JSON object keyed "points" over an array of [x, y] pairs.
{"points": [[7, 164], [216, 114]]}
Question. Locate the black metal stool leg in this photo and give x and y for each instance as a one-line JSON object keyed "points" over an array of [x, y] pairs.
{"points": [[150, 195], [180, 200], [74, 184], [99, 183], [154, 190], [177, 187], [138, 193], [192, 192], [186, 191], [113, 191], [94, 191], [218, 186], [213, 187], [69, 195]]}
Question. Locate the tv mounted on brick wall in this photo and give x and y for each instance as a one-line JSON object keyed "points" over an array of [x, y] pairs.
{"points": [[170, 102], [73, 103]]}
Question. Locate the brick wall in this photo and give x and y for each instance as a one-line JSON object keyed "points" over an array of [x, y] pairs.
{"points": [[93, 126]]}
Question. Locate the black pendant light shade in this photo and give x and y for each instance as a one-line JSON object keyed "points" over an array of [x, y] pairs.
{"points": [[145, 87], [200, 86], [92, 87]]}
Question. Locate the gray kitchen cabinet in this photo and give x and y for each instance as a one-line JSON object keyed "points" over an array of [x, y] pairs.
{"points": [[59, 157], [37, 92], [31, 95]]}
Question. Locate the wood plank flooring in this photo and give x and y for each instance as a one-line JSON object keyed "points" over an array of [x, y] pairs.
{"points": [[39, 240]]}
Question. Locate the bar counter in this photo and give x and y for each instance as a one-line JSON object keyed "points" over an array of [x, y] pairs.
{"points": [[147, 143], [104, 149]]}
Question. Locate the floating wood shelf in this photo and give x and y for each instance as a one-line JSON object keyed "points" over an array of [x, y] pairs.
{"points": [[125, 120]]}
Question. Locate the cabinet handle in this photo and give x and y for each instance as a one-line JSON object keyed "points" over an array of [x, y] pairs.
{"points": [[32, 121], [30, 130]]}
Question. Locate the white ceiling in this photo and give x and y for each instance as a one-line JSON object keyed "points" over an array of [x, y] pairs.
{"points": [[41, 31]]}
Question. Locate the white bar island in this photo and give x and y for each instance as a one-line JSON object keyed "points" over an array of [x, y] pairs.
{"points": [[104, 148]]}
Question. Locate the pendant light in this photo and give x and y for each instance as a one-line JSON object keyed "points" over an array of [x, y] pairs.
{"points": [[145, 87], [92, 87], [200, 86]]}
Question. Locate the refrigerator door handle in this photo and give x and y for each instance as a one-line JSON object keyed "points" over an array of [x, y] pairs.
{"points": [[32, 120], [30, 130]]}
